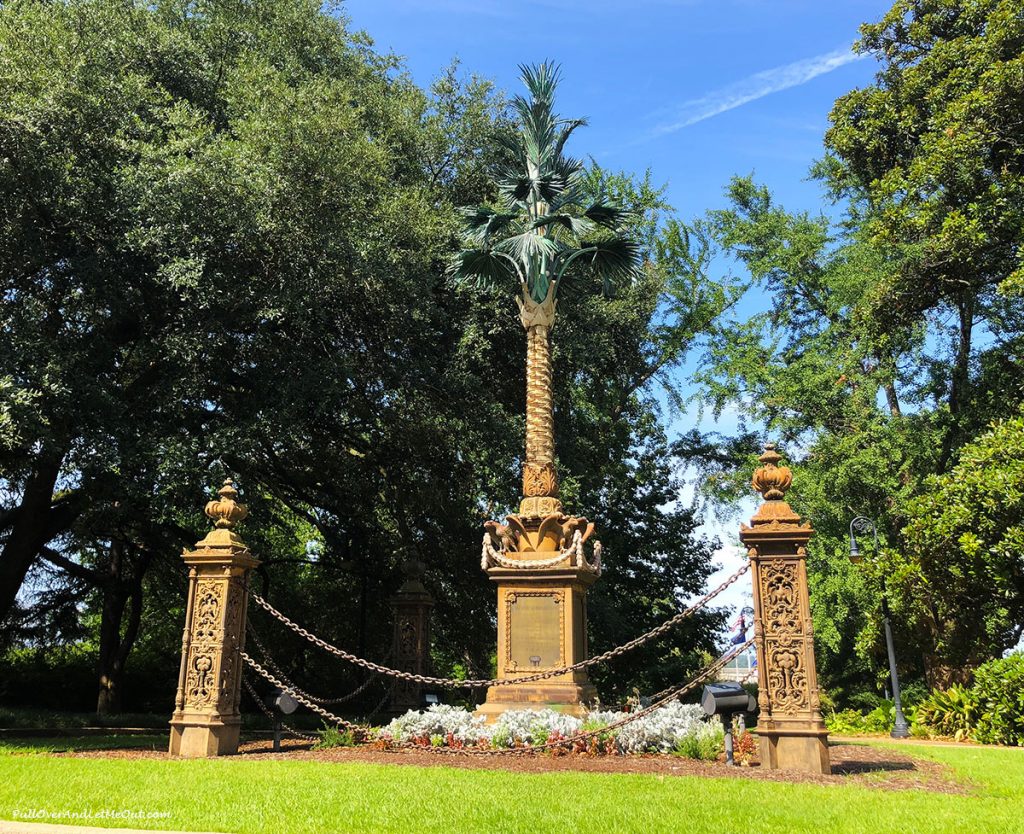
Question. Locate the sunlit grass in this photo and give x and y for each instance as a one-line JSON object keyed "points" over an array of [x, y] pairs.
{"points": [[281, 795]]}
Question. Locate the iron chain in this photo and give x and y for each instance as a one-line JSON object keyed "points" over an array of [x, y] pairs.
{"points": [[472, 684], [276, 669], [319, 710], [570, 741], [267, 712]]}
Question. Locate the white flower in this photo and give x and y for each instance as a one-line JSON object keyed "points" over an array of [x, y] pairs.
{"points": [[662, 731]]}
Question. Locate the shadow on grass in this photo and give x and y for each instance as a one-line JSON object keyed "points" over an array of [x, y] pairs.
{"points": [[72, 744], [851, 768]]}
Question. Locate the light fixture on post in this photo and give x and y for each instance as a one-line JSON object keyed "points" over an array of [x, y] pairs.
{"points": [[863, 525]]}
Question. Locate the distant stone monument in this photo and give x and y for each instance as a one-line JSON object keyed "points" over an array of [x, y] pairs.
{"points": [[411, 605], [206, 719], [792, 732]]}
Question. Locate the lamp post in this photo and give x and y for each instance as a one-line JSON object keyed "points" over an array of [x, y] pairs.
{"points": [[864, 525]]}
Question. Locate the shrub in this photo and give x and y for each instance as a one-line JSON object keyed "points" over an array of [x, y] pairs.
{"points": [[999, 694], [334, 737], [850, 722], [441, 720], [744, 748], [523, 726], [663, 730], [704, 742], [950, 713]]}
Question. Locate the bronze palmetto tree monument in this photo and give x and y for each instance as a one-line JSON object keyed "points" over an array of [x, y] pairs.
{"points": [[542, 232]]}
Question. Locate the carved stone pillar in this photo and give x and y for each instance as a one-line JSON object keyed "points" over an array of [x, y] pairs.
{"points": [[412, 605], [206, 719], [792, 732], [542, 574]]}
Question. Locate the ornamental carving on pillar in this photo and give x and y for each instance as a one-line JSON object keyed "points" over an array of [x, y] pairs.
{"points": [[787, 679], [540, 481], [209, 597], [200, 685], [779, 596], [230, 663]]}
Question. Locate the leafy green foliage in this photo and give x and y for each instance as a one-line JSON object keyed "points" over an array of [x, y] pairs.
{"points": [[701, 746], [929, 145], [331, 736], [959, 571], [887, 342], [953, 712], [224, 237], [999, 690], [990, 711], [545, 227], [851, 722]]}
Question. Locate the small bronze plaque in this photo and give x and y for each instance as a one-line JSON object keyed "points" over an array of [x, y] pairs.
{"points": [[535, 631]]}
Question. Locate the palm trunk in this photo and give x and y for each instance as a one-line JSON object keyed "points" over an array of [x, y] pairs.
{"points": [[540, 419], [540, 482], [539, 477]]}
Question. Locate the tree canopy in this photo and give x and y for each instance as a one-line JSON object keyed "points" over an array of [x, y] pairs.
{"points": [[889, 339], [225, 231]]}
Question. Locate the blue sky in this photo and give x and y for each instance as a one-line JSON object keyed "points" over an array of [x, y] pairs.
{"points": [[695, 90]]}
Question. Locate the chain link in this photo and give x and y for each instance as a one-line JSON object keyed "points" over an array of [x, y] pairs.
{"points": [[319, 710], [472, 684], [276, 669], [269, 713]]}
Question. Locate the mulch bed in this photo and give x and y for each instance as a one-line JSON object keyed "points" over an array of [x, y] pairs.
{"points": [[852, 764]]}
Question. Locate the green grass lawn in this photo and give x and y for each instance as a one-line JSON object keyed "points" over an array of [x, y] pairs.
{"points": [[281, 796]]}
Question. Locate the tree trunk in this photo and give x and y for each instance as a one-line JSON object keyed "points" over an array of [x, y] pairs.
{"points": [[122, 588], [892, 400], [30, 529], [960, 378]]}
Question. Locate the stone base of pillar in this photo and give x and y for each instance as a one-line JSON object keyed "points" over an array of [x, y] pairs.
{"points": [[570, 698], [807, 752], [198, 738], [542, 624]]}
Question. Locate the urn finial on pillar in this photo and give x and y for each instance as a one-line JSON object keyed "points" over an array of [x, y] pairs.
{"points": [[773, 482], [225, 513]]}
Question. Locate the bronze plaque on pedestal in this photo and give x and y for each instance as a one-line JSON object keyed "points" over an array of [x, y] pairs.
{"points": [[535, 631]]}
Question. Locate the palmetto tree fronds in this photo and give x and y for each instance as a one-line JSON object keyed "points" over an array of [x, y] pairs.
{"points": [[543, 225]]}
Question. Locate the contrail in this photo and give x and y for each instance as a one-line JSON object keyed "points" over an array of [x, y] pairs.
{"points": [[755, 86]]}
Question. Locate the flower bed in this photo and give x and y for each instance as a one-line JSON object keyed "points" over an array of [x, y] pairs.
{"points": [[676, 728]]}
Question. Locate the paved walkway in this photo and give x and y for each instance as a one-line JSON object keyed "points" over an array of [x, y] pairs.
{"points": [[920, 742]]}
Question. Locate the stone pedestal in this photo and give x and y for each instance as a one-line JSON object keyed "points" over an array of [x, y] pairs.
{"points": [[412, 605], [206, 720], [790, 726], [542, 624]]}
